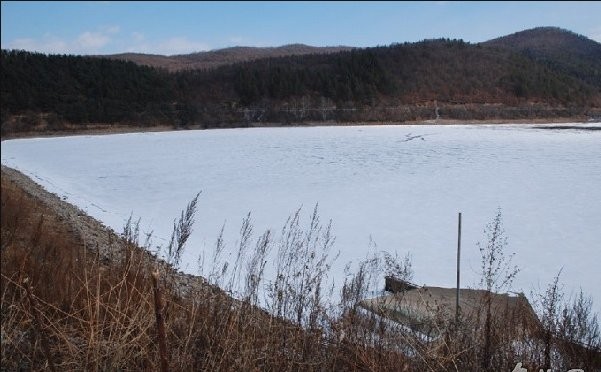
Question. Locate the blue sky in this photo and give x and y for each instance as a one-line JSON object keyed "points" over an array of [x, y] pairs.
{"points": [[106, 27]]}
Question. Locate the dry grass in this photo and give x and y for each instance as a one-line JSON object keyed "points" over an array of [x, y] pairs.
{"points": [[66, 306]]}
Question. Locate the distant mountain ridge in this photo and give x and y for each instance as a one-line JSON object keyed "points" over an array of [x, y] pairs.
{"points": [[540, 73], [540, 42], [220, 57]]}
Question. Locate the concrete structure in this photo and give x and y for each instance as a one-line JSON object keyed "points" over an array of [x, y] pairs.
{"points": [[421, 308]]}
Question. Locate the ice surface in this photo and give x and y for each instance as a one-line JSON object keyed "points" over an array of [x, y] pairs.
{"points": [[401, 185]]}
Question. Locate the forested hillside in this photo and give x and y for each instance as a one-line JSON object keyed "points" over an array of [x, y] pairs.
{"points": [[82, 89], [220, 57], [559, 49], [539, 73]]}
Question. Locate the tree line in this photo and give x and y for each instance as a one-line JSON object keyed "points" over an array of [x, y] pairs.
{"points": [[367, 82]]}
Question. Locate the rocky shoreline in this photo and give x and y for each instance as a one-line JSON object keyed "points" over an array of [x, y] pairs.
{"points": [[95, 236], [106, 129]]}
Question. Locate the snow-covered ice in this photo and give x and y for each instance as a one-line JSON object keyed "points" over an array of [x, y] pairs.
{"points": [[401, 185]]}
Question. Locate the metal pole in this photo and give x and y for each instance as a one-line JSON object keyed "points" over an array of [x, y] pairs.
{"points": [[458, 262]]}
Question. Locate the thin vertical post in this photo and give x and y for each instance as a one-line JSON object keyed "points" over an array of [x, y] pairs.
{"points": [[458, 267]]}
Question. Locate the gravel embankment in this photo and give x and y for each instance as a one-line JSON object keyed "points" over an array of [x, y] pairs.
{"points": [[95, 236]]}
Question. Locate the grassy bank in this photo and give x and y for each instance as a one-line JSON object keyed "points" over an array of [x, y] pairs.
{"points": [[77, 296]]}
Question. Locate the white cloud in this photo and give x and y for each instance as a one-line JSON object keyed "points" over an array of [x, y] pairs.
{"points": [[92, 40], [100, 40], [85, 43], [47, 44]]}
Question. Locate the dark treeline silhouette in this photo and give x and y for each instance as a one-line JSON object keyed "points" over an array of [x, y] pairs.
{"points": [[543, 72], [561, 50], [82, 89]]}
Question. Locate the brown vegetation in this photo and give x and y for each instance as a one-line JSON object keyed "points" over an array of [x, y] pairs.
{"points": [[66, 304], [77, 297], [226, 56]]}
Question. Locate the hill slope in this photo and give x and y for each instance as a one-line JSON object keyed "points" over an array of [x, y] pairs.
{"points": [[532, 74], [220, 57], [560, 49], [550, 41]]}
